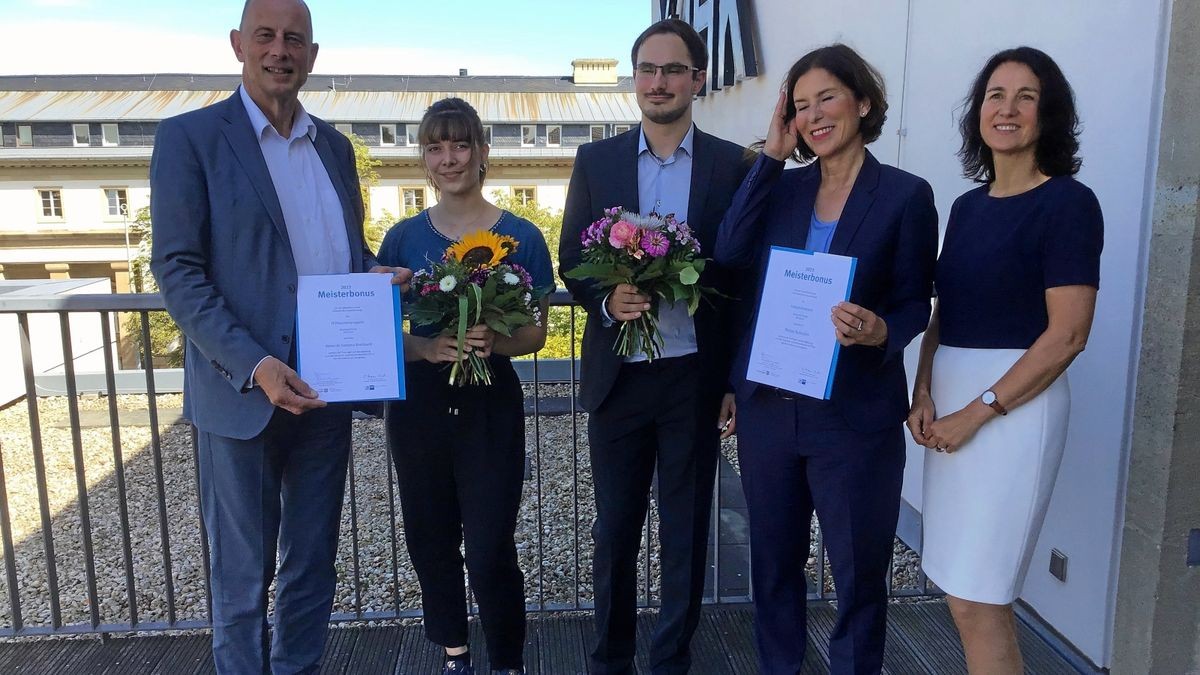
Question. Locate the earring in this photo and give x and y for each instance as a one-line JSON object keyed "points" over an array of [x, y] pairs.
{"points": [[862, 113]]}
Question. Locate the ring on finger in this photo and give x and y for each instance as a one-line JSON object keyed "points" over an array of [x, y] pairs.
{"points": [[860, 325]]}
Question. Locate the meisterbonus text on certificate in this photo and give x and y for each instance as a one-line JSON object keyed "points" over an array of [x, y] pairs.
{"points": [[349, 344], [795, 345]]}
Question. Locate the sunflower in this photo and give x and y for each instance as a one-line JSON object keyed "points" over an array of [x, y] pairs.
{"points": [[482, 249]]}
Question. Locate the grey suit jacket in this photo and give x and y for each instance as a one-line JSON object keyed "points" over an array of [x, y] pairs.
{"points": [[222, 259]]}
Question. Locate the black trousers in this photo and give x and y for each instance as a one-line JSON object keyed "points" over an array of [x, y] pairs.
{"points": [[460, 462], [798, 455], [658, 415]]}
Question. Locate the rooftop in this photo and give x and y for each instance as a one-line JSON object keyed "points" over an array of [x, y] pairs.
{"points": [[341, 98]]}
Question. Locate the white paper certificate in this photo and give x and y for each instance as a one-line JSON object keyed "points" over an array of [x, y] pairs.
{"points": [[795, 346], [349, 346]]}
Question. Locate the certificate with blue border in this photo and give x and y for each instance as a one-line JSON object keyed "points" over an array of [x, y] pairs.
{"points": [[349, 344], [795, 345]]}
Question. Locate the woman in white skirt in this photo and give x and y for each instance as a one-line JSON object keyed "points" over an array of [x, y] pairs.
{"points": [[1016, 284]]}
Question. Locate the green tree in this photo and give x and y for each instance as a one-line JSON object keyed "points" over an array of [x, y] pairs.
{"points": [[166, 340], [368, 176], [558, 323]]}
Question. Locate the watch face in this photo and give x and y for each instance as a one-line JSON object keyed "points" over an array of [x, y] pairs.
{"points": [[988, 397]]}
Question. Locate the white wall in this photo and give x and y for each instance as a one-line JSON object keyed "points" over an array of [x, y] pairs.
{"points": [[84, 204], [45, 335], [551, 193], [1110, 53]]}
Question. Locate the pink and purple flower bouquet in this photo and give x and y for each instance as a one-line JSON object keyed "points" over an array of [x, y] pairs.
{"points": [[657, 254]]}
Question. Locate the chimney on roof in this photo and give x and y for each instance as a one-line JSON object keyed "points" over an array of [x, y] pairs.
{"points": [[462, 72], [594, 71]]}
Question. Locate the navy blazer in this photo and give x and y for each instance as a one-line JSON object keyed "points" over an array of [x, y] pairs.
{"points": [[223, 260], [605, 175], [889, 223]]}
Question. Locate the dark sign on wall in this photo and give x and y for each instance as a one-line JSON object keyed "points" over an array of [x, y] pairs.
{"points": [[726, 26]]}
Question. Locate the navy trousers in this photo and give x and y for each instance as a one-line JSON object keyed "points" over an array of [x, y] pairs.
{"points": [[797, 455], [274, 498], [658, 416]]}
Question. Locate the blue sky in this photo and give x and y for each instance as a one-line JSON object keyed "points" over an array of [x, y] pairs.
{"points": [[496, 37]]}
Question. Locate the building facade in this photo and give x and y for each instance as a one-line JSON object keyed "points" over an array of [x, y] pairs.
{"points": [[1125, 515], [75, 150]]}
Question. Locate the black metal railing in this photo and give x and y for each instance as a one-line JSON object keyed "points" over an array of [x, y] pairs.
{"points": [[117, 542]]}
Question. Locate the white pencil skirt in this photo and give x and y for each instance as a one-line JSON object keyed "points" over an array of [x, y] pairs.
{"points": [[983, 506]]}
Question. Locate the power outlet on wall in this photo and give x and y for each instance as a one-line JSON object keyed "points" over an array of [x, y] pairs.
{"points": [[1058, 564]]}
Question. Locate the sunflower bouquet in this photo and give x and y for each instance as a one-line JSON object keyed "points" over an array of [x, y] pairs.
{"points": [[473, 285], [658, 254]]}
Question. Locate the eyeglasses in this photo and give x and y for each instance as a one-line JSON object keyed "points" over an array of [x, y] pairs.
{"points": [[668, 69]]}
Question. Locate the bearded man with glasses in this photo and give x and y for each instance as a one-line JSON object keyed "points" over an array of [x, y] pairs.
{"points": [[665, 414]]}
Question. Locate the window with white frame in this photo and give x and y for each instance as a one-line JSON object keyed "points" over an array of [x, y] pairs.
{"points": [[620, 128], [414, 199], [83, 135], [528, 135], [118, 202], [411, 139], [487, 134], [525, 195], [344, 128], [554, 135], [24, 135], [110, 135], [51, 199], [597, 131], [387, 134]]}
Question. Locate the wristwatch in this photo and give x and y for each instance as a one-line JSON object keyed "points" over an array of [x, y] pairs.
{"points": [[988, 398]]}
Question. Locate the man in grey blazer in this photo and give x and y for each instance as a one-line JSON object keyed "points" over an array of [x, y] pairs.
{"points": [[247, 194]]}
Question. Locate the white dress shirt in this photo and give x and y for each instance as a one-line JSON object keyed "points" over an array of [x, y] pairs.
{"points": [[312, 212]]}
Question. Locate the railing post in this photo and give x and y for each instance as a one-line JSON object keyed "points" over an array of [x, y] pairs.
{"points": [[39, 467], [85, 517]]}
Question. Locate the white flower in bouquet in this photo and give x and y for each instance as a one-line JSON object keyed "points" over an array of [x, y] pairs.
{"points": [[447, 283]]}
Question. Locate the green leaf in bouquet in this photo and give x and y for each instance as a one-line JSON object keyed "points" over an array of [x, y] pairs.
{"points": [[604, 275], [689, 275], [424, 316], [477, 294], [490, 287], [462, 325], [654, 270], [498, 325]]}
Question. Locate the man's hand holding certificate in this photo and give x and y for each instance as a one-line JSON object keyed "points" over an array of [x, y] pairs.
{"points": [[349, 346], [795, 345]]}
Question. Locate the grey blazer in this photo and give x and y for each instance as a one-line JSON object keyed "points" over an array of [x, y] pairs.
{"points": [[222, 259]]}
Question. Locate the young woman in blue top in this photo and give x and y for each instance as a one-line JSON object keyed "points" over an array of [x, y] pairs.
{"points": [[1016, 283], [460, 451]]}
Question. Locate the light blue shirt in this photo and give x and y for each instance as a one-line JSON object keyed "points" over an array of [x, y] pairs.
{"points": [[820, 234], [312, 212], [664, 187]]}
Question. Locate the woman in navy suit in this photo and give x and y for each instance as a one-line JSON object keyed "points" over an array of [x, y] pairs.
{"points": [[842, 457]]}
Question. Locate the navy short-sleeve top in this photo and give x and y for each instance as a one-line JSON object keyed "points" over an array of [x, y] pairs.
{"points": [[416, 244], [1000, 254]]}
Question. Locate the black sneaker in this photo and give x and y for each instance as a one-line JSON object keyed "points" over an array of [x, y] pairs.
{"points": [[509, 671], [455, 667]]}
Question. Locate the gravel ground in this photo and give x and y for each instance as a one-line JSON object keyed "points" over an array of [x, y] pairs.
{"points": [[557, 564]]}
